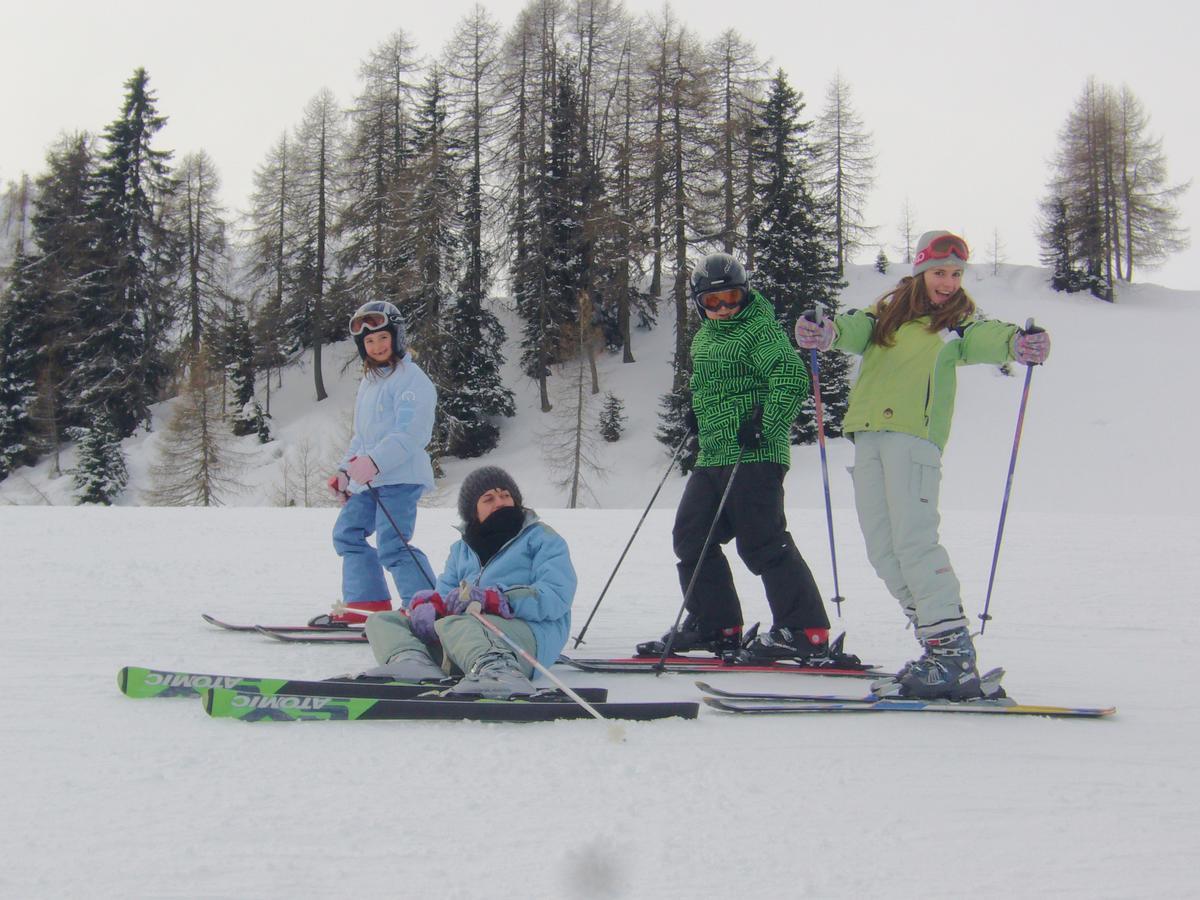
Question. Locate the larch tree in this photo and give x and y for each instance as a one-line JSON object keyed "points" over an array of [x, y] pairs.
{"points": [[844, 169]]}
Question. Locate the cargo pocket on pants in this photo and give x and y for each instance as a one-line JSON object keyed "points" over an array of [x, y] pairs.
{"points": [[927, 463]]}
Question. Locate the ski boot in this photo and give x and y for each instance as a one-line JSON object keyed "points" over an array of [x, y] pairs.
{"points": [[495, 675], [806, 646], [945, 671], [349, 617], [691, 635]]}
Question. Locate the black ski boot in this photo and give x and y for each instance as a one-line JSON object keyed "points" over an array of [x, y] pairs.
{"points": [[694, 636], [793, 645]]}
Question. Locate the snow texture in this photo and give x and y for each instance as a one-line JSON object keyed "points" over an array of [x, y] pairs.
{"points": [[1094, 605]]}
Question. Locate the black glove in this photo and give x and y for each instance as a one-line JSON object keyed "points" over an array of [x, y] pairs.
{"points": [[750, 433], [690, 422]]}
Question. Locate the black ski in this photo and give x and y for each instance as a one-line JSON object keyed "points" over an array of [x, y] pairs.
{"points": [[225, 703], [282, 629], [316, 636], [709, 664]]}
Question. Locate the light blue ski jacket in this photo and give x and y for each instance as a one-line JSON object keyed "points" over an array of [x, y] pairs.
{"points": [[393, 424], [535, 573]]}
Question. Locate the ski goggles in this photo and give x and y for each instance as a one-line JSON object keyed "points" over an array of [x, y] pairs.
{"points": [[371, 321], [729, 298], [941, 247]]}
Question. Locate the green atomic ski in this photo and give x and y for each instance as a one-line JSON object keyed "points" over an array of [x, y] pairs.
{"points": [[220, 702]]}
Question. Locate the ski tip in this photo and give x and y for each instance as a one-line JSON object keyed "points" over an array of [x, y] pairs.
{"points": [[123, 680]]}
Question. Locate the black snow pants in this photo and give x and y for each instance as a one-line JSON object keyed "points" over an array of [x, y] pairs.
{"points": [[753, 517]]}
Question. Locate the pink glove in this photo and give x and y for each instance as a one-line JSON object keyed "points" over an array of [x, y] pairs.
{"points": [[426, 608], [338, 485], [1031, 348], [362, 469], [811, 336]]}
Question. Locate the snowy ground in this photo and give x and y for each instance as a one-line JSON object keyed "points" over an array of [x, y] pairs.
{"points": [[1095, 604]]}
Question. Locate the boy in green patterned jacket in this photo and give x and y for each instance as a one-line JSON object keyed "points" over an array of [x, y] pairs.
{"points": [[747, 383]]}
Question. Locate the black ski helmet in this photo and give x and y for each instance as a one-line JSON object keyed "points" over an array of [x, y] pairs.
{"points": [[717, 272], [393, 323]]}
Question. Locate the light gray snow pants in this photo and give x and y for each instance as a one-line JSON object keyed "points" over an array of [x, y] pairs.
{"points": [[896, 482], [463, 640]]}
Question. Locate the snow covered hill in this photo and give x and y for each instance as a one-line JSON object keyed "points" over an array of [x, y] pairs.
{"points": [[1108, 395], [1094, 605]]}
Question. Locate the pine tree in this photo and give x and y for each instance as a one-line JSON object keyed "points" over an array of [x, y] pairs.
{"points": [[612, 418], [881, 262], [474, 393], [100, 473], [236, 357], [59, 276], [433, 225], [18, 372], [120, 364], [795, 264]]}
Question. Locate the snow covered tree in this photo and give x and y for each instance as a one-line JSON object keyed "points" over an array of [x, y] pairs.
{"points": [[795, 264], [18, 372], [433, 224], [612, 418], [124, 324], [234, 353], [100, 473], [881, 262]]}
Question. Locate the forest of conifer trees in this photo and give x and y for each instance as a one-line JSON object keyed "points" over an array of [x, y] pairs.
{"points": [[576, 162]]}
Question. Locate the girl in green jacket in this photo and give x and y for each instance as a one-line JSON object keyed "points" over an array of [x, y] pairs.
{"points": [[911, 342]]}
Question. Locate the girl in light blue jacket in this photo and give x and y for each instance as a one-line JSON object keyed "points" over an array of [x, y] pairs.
{"points": [[510, 567], [393, 424]]}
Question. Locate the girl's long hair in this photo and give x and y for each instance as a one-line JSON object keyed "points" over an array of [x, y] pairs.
{"points": [[909, 300]]}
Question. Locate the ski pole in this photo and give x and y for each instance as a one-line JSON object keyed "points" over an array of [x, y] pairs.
{"points": [[599, 600], [1012, 464], [615, 730], [661, 665], [815, 315], [400, 534]]}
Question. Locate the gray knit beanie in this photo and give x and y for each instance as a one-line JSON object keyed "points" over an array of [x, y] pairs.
{"points": [[935, 247], [479, 483]]}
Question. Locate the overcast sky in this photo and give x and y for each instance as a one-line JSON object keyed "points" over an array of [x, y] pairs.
{"points": [[964, 100]]}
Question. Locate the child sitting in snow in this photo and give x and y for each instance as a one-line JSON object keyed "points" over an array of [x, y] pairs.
{"points": [[510, 567]]}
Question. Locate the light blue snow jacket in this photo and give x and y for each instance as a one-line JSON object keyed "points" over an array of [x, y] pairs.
{"points": [[393, 424], [535, 573]]}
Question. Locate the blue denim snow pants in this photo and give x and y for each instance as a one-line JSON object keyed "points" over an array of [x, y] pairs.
{"points": [[362, 564]]}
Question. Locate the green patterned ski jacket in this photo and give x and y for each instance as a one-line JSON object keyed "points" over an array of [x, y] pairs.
{"points": [[738, 363]]}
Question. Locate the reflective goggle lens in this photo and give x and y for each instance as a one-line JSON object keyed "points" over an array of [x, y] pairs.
{"points": [[943, 246], [730, 298], [367, 321]]}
